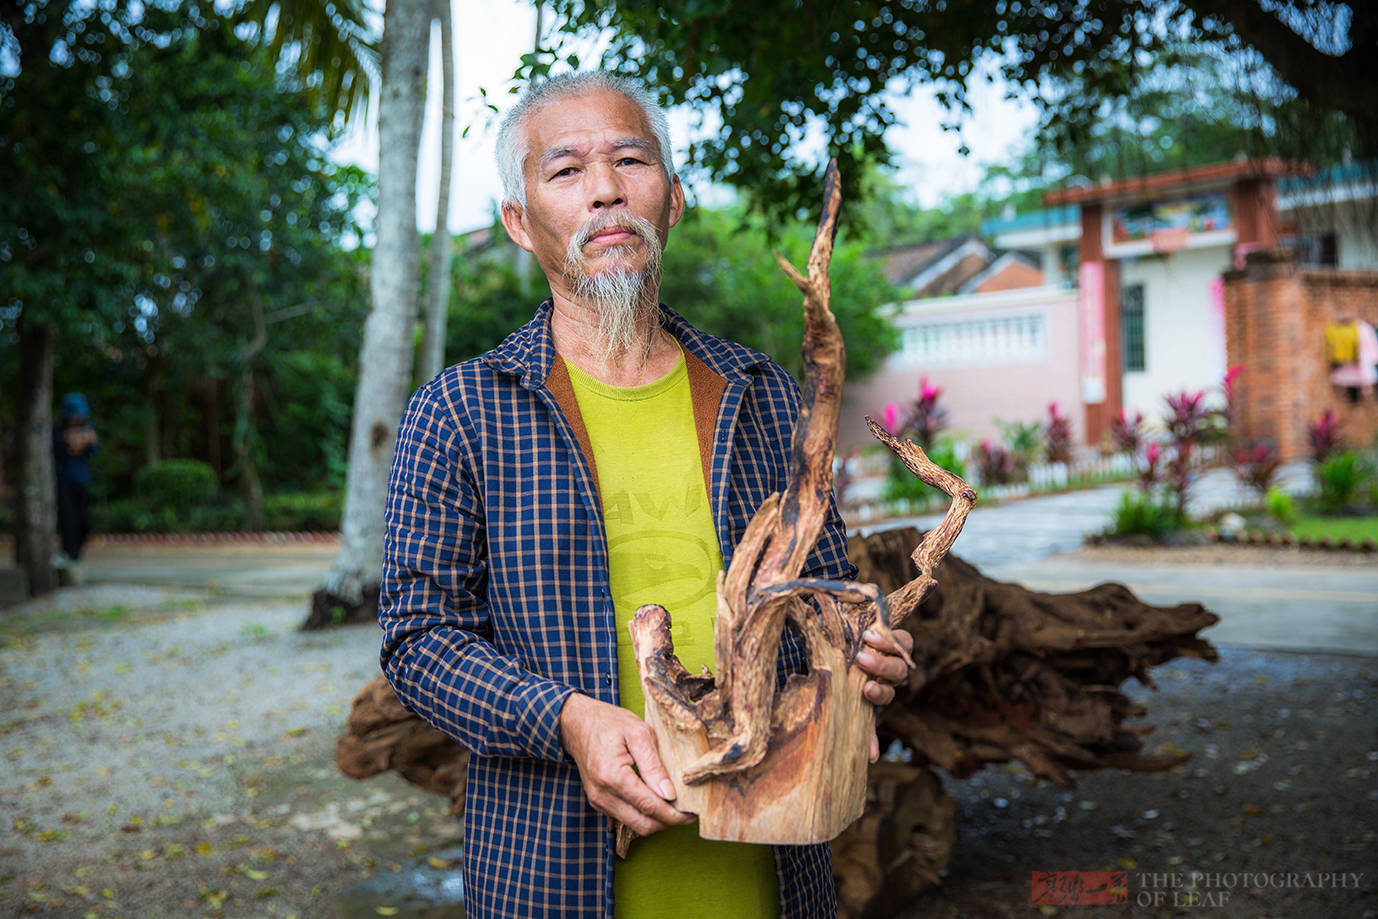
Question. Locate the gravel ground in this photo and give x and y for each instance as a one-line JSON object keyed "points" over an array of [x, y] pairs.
{"points": [[169, 754]]}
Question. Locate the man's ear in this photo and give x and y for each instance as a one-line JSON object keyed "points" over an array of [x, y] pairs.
{"points": [[514, 222], [676, 201]]}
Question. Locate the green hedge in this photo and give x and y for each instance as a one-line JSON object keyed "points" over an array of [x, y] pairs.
{"points": [[303, 510], [178, 485], [288, 512], [134, 515]]}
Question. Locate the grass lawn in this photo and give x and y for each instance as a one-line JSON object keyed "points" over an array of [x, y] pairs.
{"points": [[1355, 528]]}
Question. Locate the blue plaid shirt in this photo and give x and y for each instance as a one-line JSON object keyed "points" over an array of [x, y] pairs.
{"points": [[495, 603]]}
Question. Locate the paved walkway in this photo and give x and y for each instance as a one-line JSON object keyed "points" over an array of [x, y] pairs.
{"points": [[1291, 600]]}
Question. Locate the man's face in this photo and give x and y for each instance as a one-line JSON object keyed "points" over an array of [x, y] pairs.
{"points": [[593, 171]]}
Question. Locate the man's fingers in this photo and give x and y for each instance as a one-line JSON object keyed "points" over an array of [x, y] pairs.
{"points": [[630, 800], [878, 693], [875, 744], [643, 749], [883, 667]]}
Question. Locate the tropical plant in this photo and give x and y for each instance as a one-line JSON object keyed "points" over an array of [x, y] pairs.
{"points": [[1024, 441], [927, 419], [996, 465], [903, 485], [1127, 435], [1324, 434], [1057, 436], [1280, 506], [1257, 467], [1149, 471], [1342, 479], [1144, 514]]}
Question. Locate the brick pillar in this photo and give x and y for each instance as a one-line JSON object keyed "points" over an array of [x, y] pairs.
{"points": [[1275, 318], [1253, 205], [1091, 250]]}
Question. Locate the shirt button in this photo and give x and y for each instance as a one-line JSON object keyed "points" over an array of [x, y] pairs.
{"points": [[607, 678]]}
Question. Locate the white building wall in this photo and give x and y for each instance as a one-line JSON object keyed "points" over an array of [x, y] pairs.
{"points": [[1184, 330]]}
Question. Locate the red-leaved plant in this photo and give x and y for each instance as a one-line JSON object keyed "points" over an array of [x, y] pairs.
{"points": [[1057, 436], [1325, 436], [995, 464], [1127, 435], [1256, 467]]}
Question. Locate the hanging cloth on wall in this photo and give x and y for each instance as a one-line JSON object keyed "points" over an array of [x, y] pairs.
{"points": [[1342, 343], [1362, 369]]}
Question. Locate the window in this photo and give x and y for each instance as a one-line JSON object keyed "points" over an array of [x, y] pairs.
{"points": [[1132, 328]]}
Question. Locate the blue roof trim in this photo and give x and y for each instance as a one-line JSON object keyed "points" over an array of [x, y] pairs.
{"points": [[1034, 220], [1331, 175]]}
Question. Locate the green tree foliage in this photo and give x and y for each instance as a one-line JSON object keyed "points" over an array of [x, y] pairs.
{"points": [[720, 272], [182, 226], [764, 75]]}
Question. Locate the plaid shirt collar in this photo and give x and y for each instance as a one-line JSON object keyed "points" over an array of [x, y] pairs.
{"points": [[529, 352]]}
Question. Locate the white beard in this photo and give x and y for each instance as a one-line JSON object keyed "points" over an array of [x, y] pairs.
{"points": [[623, 297]]}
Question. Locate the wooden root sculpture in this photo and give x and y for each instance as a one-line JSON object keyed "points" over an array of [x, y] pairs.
{"points": [[786, 766], [1003, 674]]}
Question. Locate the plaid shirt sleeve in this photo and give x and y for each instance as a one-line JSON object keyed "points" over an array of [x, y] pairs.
{"points": [[437, 648]]}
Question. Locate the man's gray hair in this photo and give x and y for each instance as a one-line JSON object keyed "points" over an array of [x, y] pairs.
{"points": [[511, 146]]}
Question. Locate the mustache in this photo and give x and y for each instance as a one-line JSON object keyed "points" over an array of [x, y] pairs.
{"points": [[630, 223]]}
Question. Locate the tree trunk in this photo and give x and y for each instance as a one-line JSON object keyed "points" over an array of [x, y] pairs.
{"points": [[251, 487], [385, 358], [152, 429], [438, 278], [245, 431], [36, 509]]}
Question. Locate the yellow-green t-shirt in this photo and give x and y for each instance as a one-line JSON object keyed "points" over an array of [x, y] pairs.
{"points": [[663, 548]]}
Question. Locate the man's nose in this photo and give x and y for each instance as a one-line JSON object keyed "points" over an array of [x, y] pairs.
{"points": [[605, 188]]}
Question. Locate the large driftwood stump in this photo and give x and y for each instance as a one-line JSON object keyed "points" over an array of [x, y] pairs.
{"points": [[785, 766], [1003, 674]]}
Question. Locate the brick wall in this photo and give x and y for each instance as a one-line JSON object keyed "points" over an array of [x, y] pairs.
{"points": [[1275, 318]]}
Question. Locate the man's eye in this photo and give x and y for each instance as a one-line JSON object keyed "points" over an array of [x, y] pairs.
{"points": [[567, 171], [629, 161]]}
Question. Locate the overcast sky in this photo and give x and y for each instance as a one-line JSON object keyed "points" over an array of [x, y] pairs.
{"points": [[490, 37]]}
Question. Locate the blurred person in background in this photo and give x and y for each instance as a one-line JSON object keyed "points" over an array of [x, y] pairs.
{"points": [[74, 443]]}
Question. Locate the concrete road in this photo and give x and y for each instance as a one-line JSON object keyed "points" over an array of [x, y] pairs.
{"points": [[247, 569]]}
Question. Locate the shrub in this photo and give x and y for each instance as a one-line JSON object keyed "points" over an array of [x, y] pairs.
{"points": [[1057, 436], [303, 510], [1280, 506], [1187, 417], [177, 485], [927, 418], [1324, 434], [997, 466], [1148, 471], [1025, 440], [134, 515], [1127, 435], [1256, 467], [903, 485], [1144, 514], [1342, 478]]}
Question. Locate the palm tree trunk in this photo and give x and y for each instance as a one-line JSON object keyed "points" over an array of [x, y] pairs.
{"points": [[385, 359], [36, 511], [438, 278]]}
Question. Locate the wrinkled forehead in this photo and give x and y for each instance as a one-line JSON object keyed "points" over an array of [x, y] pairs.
{"points": [[583, 122]]}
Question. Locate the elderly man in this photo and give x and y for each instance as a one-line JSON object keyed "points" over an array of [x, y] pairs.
{"points": [[606, 454]]}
